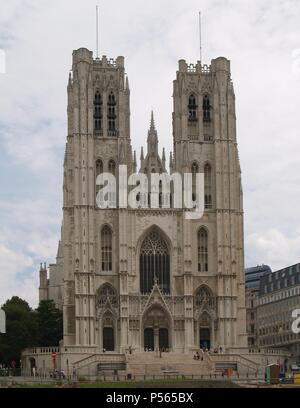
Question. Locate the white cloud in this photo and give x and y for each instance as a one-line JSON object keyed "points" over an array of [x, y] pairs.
{"points": [[11, 282], [275, 247]]}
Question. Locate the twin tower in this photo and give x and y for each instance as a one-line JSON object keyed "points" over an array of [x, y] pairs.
{"points": [[150, 278]]}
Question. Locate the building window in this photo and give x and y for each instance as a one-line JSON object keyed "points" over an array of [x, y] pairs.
{"points": [[106, 249], [207, 187], [154, 263], [206, 109], [111, 114], [112, 167], [204, 297], [98, 112], [99, 167], [195, 171], [192, 108], [202, 250], [106, 294], [98, 171]]}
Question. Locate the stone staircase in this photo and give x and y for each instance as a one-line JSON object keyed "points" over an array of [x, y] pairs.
{"points": [[244, 364], [151, 364], [96, 364], [148, 364]]}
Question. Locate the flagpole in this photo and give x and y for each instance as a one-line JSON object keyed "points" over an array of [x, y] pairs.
{"points": [[200, 35], [97, 31]]}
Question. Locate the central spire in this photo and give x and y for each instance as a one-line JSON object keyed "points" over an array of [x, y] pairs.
{"points": [[152, 137], [152, 123], [152, 163]]}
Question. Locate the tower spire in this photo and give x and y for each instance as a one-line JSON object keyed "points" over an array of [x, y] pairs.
{"points": [[152, 123]]}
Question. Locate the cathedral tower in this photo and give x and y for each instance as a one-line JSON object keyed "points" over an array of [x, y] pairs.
{"points": [[98, 141], [204, 134]]}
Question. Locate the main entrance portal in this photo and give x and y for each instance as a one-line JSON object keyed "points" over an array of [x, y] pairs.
{"points": [[150, 339], [156, 329]]}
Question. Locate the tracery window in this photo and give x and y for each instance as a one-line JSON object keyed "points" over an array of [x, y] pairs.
{"points": [[106, 249], [98, 112], [204, 297], [98, 171], [192, 108], [207, 187], [154, 263], [195, 171], [111, 105], [202, 250], [99, 167], [112, 167], [107, 293], [206, 109]]}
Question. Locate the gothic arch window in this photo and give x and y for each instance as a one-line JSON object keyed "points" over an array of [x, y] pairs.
{"points": [[98, 171], [154, 263], [160, 196], [195, 168], [204, 297], [192, 107], [202, 241], [99, 167], [106, 293], [98, 112], [112, 167], [206, 109], [207, 186], [106, 249], [111, 105], [195, 171]]}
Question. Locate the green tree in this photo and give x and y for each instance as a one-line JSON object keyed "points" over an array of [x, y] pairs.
{"points": [[21, 330], [50, 324], [26, 328]]}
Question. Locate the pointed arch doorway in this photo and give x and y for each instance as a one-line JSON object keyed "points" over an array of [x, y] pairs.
{"points": [[156, 329], [204, 304]]}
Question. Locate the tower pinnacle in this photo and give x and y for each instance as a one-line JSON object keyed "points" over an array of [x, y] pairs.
{"points": [[152, 123]]}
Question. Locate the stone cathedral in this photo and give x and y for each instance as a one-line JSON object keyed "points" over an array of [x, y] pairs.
{"points": [[149, 278]]}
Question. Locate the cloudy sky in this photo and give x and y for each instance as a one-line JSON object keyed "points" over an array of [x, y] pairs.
{"points": [[260, 37]]}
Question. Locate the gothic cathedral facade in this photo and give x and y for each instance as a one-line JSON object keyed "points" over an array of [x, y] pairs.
{"points": [[150, 278]]}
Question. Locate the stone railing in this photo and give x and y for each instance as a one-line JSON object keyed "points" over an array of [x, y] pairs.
{"points": [[103, 358], [250, 350], [79, 350], [41, 350], [234, 358]]}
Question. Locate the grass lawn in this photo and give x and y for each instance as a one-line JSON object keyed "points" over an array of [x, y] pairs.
{"points": [[138, 384]]}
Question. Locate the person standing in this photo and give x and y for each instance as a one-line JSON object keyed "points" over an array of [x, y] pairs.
{"points": [[74, 373]]}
